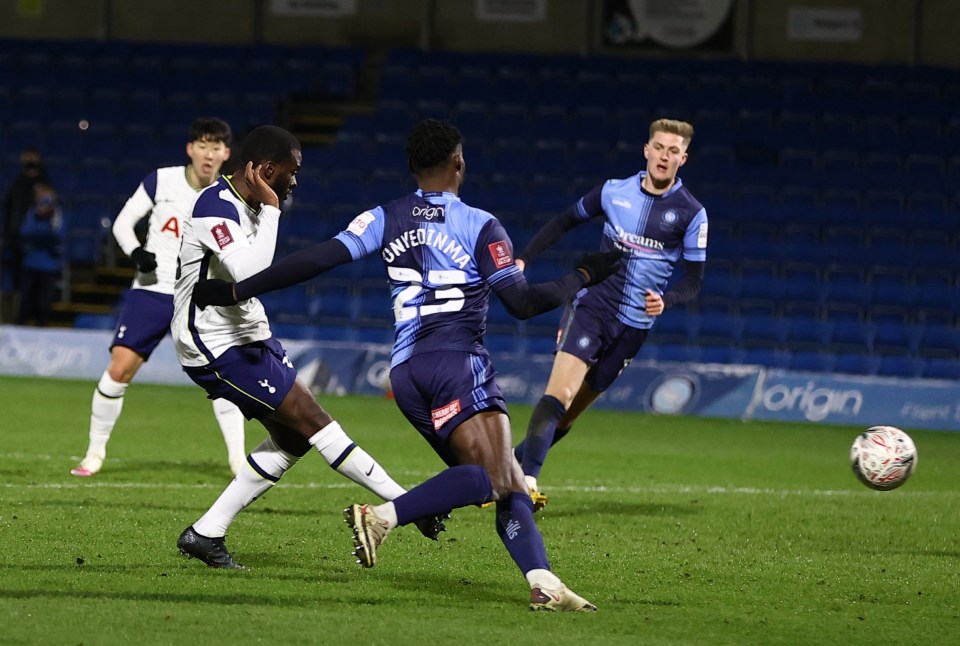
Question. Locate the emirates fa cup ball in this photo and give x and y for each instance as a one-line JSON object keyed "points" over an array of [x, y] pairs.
{"points": [[883, 457]]}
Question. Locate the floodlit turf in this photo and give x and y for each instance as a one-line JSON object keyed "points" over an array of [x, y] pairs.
{"points": [[681, 530]]}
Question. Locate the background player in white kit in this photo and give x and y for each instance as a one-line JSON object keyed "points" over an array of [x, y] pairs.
{"points": [[166, 196]]}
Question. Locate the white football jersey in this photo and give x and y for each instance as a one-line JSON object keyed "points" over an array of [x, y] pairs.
{"points": [[167, 197], [222, 231]]}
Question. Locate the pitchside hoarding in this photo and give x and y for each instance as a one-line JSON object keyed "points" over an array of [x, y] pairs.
{"points": [[708, 390]]}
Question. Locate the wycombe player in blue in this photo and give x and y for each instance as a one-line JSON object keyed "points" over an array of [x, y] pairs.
{"points": [[442, 259], [655, 219]]}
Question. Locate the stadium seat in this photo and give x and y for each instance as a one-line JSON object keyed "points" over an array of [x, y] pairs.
{"points": [[856, 363], [847, 285], [724, 354], [95, 321], [808, 333], [720, 329], [851, 336], [770, 357], [900, 366], [297, 331], [894, 338], [941, 368], [797, 129], [675, 326], [937, 340], [764, 332], [812, 361], [678, 352], [892, 286]]}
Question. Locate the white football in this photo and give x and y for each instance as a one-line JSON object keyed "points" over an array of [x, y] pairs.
{"points": [[883, 457]]}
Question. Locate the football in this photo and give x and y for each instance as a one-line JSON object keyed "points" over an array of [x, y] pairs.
{"points": [[883, 457]]}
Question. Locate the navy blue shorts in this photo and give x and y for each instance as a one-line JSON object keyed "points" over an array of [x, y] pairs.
{"points": [[256, 377], [601, 341], [439, 391], [144, 321]]}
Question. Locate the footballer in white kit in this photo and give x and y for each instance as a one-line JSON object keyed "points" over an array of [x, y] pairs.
{"points": [[230, 353], [222, 224], [165, 197]]}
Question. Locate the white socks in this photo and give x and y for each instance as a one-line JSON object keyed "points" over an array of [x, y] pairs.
{"points": [[251, 482], [230, 420], [104, 413], [387, 512], [342, 454], [268, 462]]}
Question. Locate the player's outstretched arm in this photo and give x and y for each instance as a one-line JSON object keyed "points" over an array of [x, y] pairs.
{"points": [[587, 207], [295, 268], [524, 300]]}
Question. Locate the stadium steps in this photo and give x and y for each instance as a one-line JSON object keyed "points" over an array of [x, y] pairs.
{"points": [[316, 120], [95, 290]]}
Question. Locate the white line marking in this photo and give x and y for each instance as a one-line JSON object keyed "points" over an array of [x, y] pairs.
{"points": [[664, 489]]}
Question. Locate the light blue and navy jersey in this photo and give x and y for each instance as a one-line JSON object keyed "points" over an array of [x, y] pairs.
{"points": [[655, 230], [442, 257]]}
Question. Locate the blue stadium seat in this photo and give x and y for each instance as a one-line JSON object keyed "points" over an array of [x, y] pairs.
{"points": [[720, 329], [543, 344], [766, 332], [938, 340], [507, 343], [900, 366], [925, 172], [891, 286], [851, 336], [856, 363], [797, 129], [840, 130], [799, 166], [95, 321], [941, 368], [894, 338], [724, 354], [847, 285], [678, 352], [297, 331], [769, 357], [808, 333], [675, 326], [812, 361]]}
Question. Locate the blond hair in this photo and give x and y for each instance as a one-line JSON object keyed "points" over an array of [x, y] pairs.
{"points": [[674, 127]]}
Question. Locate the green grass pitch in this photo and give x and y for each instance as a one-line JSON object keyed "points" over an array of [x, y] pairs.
{"points": [[681, 530]]}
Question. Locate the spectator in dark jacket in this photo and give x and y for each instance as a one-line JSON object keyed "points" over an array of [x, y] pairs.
{"points": [[41, 244]]}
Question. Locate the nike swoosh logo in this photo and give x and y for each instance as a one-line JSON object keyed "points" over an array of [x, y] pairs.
{"points": [[371, 469]]}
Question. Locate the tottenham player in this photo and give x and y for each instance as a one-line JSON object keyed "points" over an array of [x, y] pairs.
{"points": [[230, 351], [442, 259], [165, 196], [653, 217]]}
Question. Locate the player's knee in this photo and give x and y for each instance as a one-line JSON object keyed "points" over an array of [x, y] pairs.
{"points": [[563, 393]]}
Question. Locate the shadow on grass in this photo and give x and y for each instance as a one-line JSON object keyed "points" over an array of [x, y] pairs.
{"points": [[139, 505], [617, 508], [333, 586]]}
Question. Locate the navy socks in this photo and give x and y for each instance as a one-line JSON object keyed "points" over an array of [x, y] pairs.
{"points": [[456, 487], [532, 452]]}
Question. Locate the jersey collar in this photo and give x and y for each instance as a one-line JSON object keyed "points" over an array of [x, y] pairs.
{"points": [[226, 178], [677, 183], [447, 195]]}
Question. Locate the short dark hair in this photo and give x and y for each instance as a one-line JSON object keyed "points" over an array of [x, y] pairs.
{"points": [[268, 143], [210, 129], [430, 143]]}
